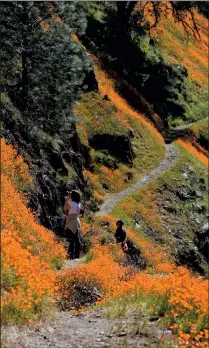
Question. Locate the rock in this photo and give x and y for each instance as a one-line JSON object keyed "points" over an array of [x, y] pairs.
{"points": [[198, 194], [105, 186], [121, 334], [183, 194], [185, 176], [170, 209], [202, 180], [202, 241], [200, 208], [104, 223], [106, 97], [191, 169], [204, 229], [118, 146], [98, 339], [46, 160], [187, 255]]}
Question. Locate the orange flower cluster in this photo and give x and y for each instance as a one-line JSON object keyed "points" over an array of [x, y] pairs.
{"points": [[102, 272], [98, 196], [29, 251], [106, 87], [58, 19], [171, 37], [75, 37], [13, 166], [183, 296], [194, 151], [149, 210], [112, 177]]}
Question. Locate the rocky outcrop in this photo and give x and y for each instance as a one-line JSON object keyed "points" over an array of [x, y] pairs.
{"points": [[56, 167], [202, 240], [188, 255], [119, 146]]}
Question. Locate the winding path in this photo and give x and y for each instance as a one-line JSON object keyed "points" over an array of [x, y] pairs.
{"points": [[171, 154], [91, 329], [188, 125]]}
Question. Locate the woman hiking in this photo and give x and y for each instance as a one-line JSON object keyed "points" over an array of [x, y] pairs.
{"points": [[72, 224]]}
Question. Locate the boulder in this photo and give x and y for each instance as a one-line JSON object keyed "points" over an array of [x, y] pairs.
{"points": [[118, 146], [202, 240], [186, 254]]}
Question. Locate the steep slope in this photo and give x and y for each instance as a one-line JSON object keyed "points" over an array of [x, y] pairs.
{"points": [[29, 252], [56, 164], [123, 144], [165, 69], [172, 208], [159, 302]]}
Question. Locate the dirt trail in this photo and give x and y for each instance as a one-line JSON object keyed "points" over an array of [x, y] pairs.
{"points": [[86, 330], [190, 124], [171, 155]]}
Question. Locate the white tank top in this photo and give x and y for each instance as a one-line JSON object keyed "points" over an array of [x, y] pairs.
{"points": [[75, 208]]}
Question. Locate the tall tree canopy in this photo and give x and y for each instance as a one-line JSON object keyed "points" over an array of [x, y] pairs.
{"points": [[43, 66]]}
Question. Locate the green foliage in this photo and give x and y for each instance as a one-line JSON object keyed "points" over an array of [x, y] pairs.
{"points": [[98, 116], [123, 36], [106, 238], [194, 101], [43, 66]]}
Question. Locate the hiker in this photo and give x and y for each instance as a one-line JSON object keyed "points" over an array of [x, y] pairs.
{"points": [[72, 223], [132, 248], [120, 234]]}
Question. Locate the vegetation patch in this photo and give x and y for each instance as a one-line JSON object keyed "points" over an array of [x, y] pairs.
{"points": [[107, 173], [30, 252], [172, 208], [170, 296]]}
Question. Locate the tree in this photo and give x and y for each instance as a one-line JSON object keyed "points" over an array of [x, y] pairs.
{"points": [[43, 66], [133, 12], [121, 37]]}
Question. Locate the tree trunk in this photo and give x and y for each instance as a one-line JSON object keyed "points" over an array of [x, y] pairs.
{"points": [[25, 81]]}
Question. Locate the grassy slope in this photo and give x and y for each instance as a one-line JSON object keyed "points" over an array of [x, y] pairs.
{"points": [[98, 116], [158, 207], [187, 50], [200, 131]]}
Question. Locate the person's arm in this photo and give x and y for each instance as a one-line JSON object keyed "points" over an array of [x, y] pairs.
{"points": [[67, 205]]}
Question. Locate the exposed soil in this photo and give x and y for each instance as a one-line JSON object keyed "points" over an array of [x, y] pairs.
{"points": [[88, 329]]}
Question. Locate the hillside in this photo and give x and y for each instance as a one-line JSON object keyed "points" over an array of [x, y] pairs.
{"points": [[169, 69], [111, 99]]}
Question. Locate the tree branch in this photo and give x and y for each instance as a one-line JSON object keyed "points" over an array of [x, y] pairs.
{"points": [[180, 17]]}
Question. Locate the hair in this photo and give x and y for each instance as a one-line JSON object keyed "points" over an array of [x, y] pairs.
{"points": [[120, 222], [75, 196]]}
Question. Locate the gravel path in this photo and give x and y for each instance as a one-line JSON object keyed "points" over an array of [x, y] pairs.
{"points": [[171, 155], [86, 330], [189, 124]]}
